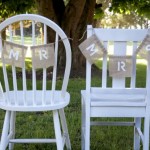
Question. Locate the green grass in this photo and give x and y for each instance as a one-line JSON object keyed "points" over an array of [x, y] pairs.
{"points": [[41, 124]]}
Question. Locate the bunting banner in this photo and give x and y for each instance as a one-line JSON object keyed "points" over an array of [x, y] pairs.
{"points": [[14, 54], [92, 49], [43, 56], [120, 66], [144, 46]]}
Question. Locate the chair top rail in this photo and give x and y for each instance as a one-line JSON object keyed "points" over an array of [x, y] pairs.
{"points": [[120, 35], [36, 18]]}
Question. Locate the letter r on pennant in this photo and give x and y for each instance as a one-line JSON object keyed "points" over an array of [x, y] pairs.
{"points": [[121, 66], [43, 54]]}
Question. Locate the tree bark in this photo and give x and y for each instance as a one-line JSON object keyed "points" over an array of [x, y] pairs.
{"points": [[73, 19], [79, 36]]}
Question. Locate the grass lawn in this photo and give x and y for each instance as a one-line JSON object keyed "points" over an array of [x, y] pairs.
{"points": [[41, 124]]}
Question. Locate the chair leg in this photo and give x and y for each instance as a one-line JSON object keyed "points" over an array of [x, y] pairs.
{"points": [[146, 132], [57, 128], [86, 125], [64, 128], [12, 128], [83, 126], [87, 133], [136, 134], [5, 131]]}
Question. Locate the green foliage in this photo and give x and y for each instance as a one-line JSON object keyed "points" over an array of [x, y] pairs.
{"points": [[99, 13], [12, 7], [141, 7], [116, 20]]}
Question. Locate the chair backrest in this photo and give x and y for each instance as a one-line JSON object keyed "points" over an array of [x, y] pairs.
{"points": [[118, 43], [30, 29]]}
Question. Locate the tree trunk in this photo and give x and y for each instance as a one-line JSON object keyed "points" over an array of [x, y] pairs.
{"points": [[73, 19]]}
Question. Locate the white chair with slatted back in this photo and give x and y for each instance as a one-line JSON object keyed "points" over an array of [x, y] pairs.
{"points": [[117, 100], [29, 97]]}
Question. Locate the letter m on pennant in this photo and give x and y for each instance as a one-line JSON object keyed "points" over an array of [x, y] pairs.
{"points": [[92, 49], [13, 54]]}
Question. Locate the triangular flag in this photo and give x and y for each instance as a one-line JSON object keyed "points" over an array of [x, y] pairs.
{"points": [[43, 56], [120, 66], [92, 49], [144, 46], [14, 54]]}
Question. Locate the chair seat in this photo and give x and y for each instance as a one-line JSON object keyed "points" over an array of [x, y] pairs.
{"points": [[58, 101], [113, 98]]}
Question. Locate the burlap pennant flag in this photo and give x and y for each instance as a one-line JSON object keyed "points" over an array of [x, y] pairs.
{"points": [[43, 56], [144, 46], [120, 66], [92, 49], [14, 54]]}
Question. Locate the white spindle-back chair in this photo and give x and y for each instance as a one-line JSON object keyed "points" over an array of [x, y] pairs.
{"points": [[29, 97], [115, 99]]}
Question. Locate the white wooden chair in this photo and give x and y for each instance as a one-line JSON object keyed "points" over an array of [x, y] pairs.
{"points": [[34, 100], [117, 100]]}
